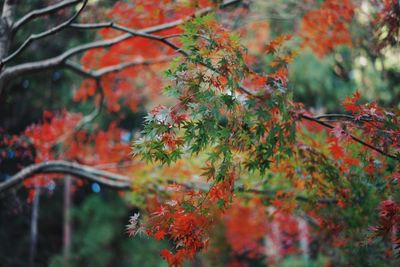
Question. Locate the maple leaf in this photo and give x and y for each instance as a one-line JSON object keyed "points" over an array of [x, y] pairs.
{"points": [[350, 103], [166, 254], [133, 228], [336, 150], [275, 44], [160, 234]]}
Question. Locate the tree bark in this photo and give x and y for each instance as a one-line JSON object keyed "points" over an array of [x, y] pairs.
{"points": [[34, 227], [67, 219], [6, 21]]}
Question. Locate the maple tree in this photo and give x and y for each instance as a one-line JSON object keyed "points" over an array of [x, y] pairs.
{"points": [[228, 146]]}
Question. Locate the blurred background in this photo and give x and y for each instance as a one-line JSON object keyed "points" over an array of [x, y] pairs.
{"points": [[85, 221]]}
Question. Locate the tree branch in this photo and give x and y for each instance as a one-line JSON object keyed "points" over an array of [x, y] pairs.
{"points": [[59, 166], [358, 140], [41, 12], [330, 126], [44, 34], [114, 68], [164, 39], [110, 179], [13, 72], [333, 116], [248, 92]]}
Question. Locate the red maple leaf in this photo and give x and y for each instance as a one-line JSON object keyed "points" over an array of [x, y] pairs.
{"points": [[336, 150], [160, 234]]}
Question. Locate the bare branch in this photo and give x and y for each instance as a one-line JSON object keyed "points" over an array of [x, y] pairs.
{"points": [[13, 72], [330, 126], [59, 166], [163, 39], [41, 12], [345, 117], [333, 116], [91, 26], [149, 36], [113, 180], [114, 68], [44, 34]]}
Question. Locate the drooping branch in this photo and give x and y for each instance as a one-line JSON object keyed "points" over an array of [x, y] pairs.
{"points": [[42, 12], [51, 31], [114, 180], [64, 167]]}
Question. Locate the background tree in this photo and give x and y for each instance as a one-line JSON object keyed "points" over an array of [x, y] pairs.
{"points": [[310, 186]]}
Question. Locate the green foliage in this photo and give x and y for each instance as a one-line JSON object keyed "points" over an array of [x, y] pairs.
{"points": [[99, 238]]}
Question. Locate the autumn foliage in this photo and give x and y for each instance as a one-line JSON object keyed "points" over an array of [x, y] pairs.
{"points": [[277, 176]]}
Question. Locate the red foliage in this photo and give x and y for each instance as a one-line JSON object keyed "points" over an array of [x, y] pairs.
{"points": [[380, 126], [387, 22], [350, 103], [325, 28], [246, 227], [102, 147], [336, 150], [389, 220], [185, 227], [52, 131], [130, 86]]}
